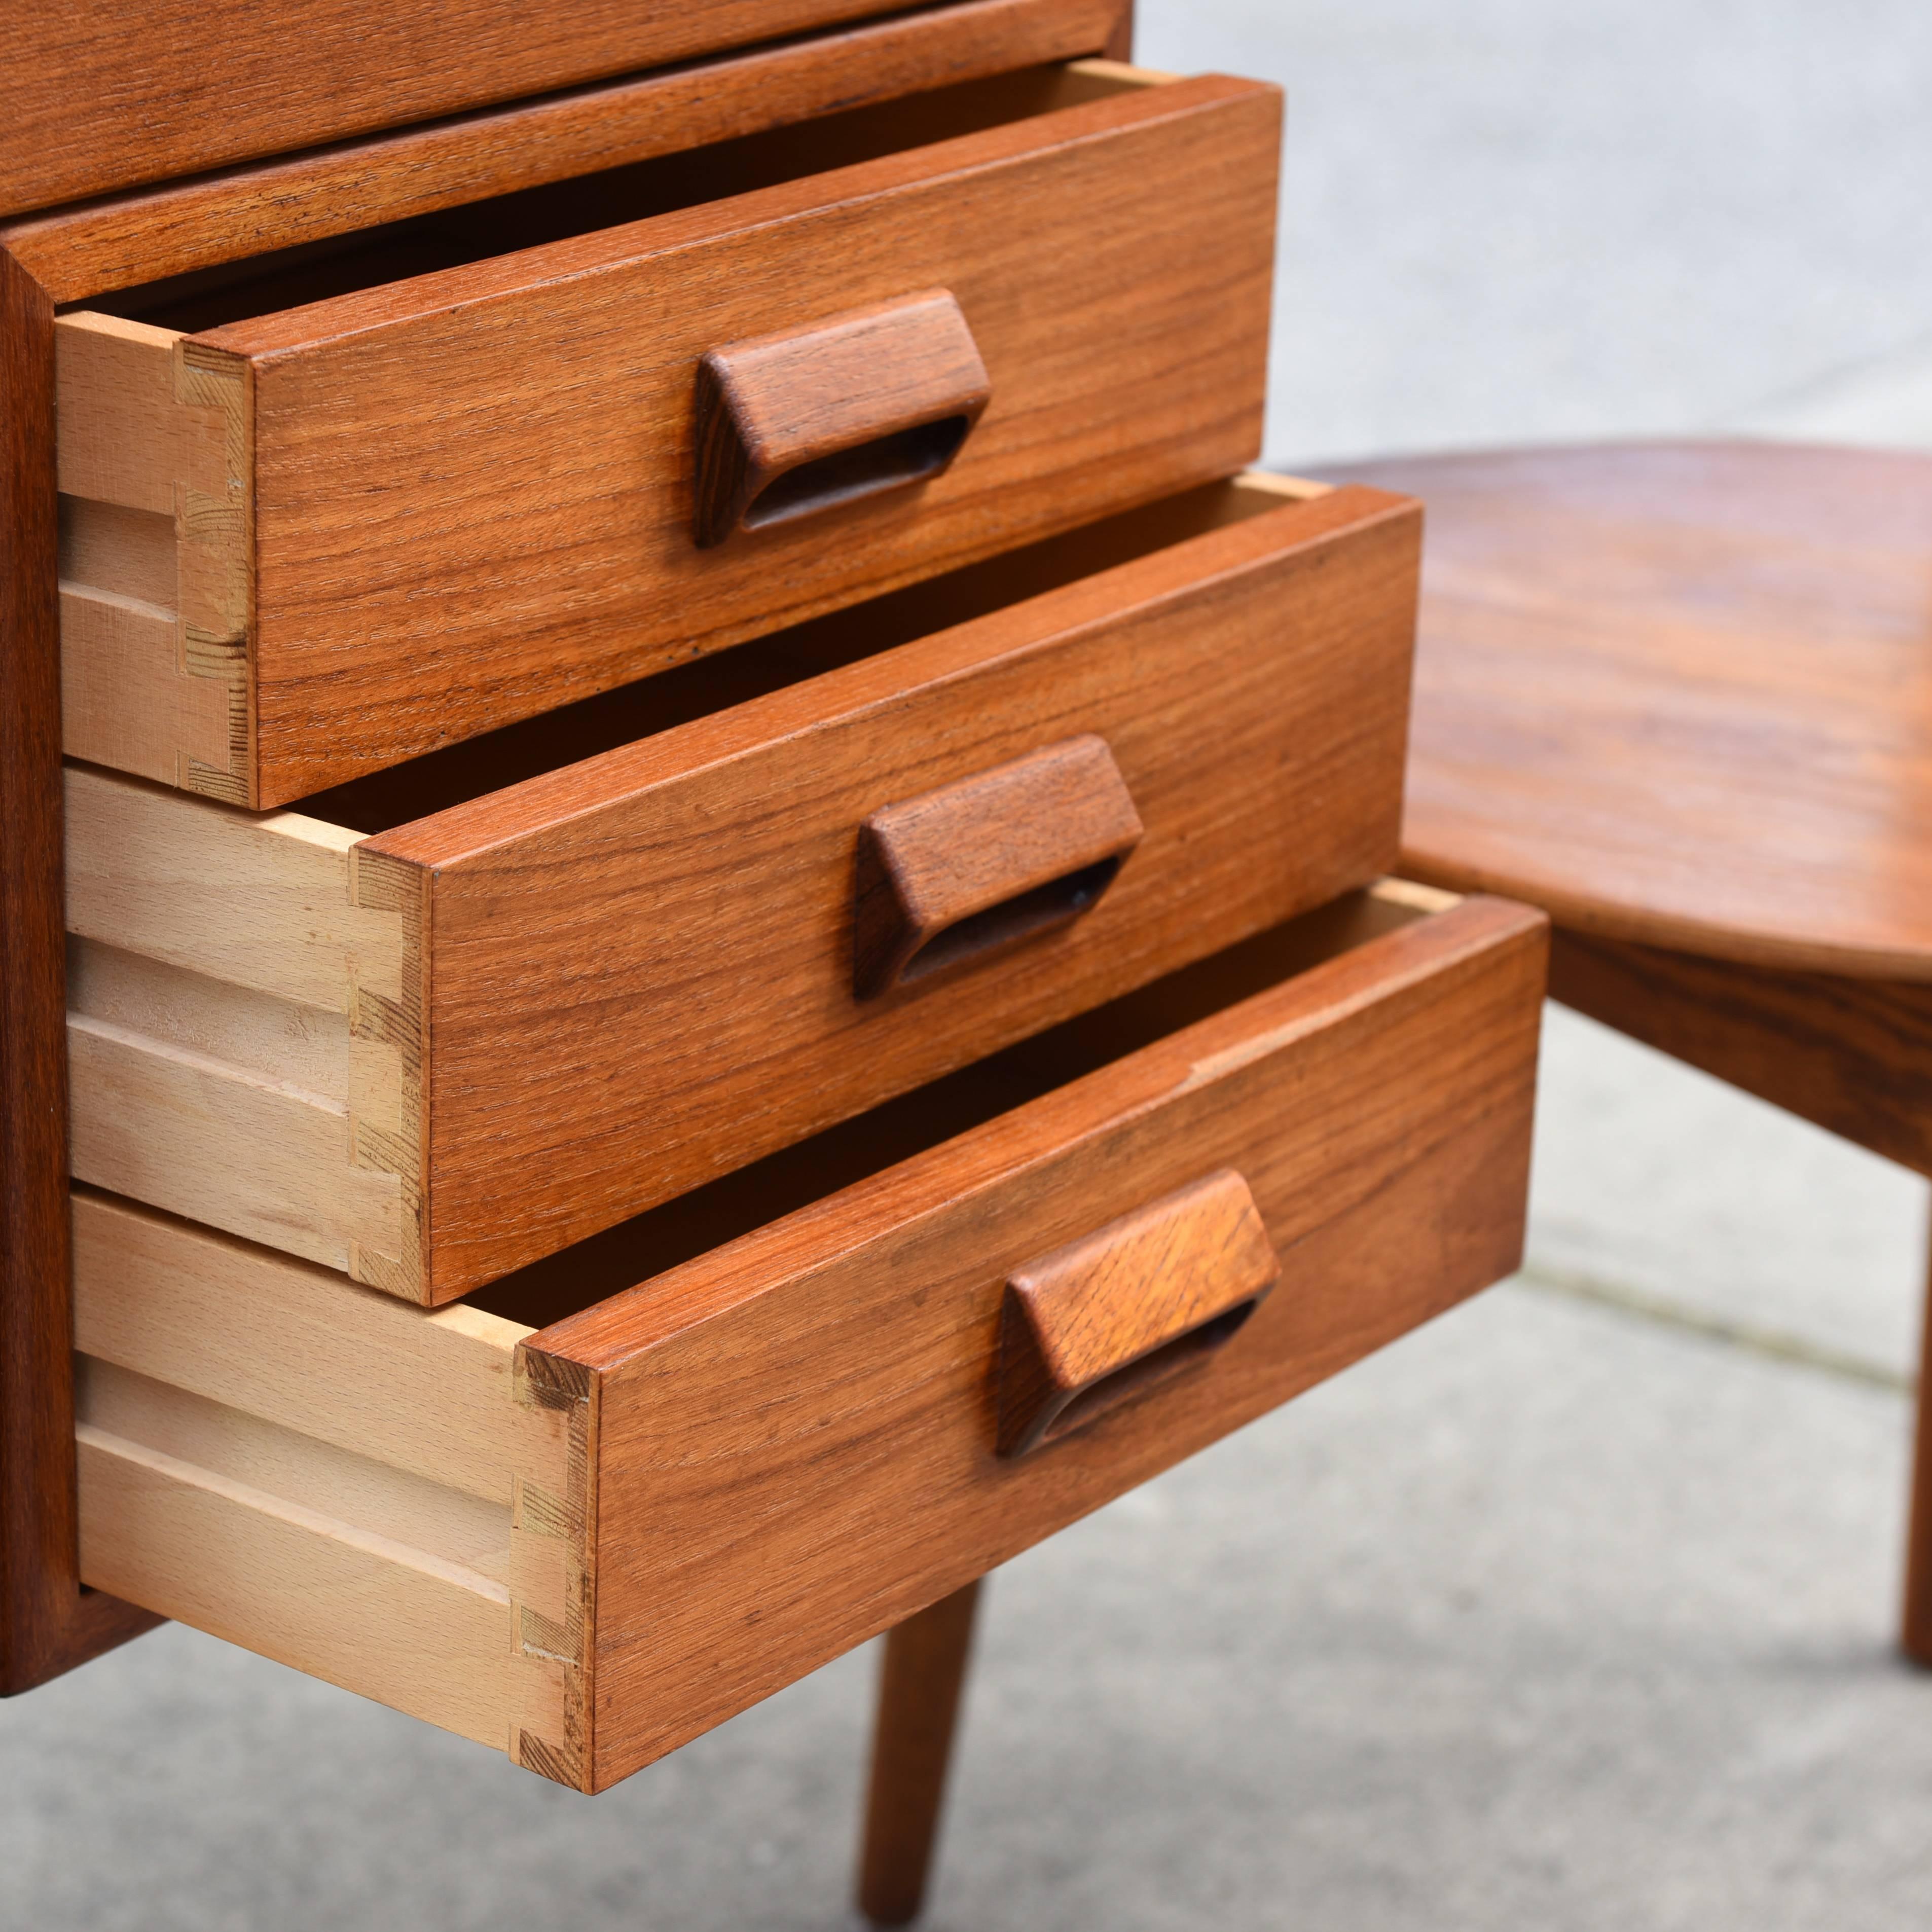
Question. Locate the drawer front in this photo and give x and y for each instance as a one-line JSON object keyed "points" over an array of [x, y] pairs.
{"points": [[79, 252], [576, 997], [400, 517], [118, 93], [588, 1544], [796, 1438]]}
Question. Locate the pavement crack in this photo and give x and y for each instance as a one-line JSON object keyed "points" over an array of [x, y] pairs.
{"points": [[1775, 1343]]}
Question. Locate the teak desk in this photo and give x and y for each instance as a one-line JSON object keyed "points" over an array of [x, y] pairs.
{"points": [[692, 931]]}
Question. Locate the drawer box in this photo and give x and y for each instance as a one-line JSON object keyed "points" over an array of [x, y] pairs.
{"points": [[588, 1544], [515, 1016], [362, 511], [100, 96]]}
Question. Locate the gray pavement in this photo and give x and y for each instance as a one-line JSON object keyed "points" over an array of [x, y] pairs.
{"points": [[1510, 220], [1558, 1614], [1658, 1185]]}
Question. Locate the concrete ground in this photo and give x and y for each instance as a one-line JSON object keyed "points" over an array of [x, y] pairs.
{"points": [[1562, 1612]]}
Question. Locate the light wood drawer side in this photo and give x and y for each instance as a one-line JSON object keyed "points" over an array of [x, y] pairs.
{"points": [[369, 1493], [157, 554]]}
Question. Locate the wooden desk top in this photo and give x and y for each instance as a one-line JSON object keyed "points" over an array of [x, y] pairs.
{"points": [[1681, 694]]}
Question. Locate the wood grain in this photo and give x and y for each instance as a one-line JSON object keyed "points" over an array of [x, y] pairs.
{"points": [[102, 95], [157, 575], [1853, 1055], [949, 877], [798, 423], [1114, 1314], [267, 1336], [127, 701], [297, 1047], [246, 1024], [794, 1361], [700, 885], [371, 1493], [223, 1144], [143, 235], [447, 1525], [105, 543], [47, 1624], [712, 1481], [358, 1609], [472, 488], [261, 900], [1678, 694], [921, 1678]]}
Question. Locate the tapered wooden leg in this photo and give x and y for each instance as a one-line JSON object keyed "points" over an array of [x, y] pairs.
{"points": [[1916, 1638], [920, 1686]]}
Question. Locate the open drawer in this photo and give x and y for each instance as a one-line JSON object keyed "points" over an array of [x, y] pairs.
{"points": [[326, 512], [848, 1379], [103, 96], [460, 1022]]}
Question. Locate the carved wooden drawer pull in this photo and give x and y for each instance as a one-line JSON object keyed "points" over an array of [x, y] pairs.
{"points": [[793, 423], [975, 867], [1128, 1306]]}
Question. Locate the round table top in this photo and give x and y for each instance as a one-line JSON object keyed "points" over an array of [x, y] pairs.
{"points": [[1681, 693]]}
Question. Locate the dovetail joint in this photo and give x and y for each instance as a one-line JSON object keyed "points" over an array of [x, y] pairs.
{"points": [[550, 1734], [214, 559], [387, 1113]]}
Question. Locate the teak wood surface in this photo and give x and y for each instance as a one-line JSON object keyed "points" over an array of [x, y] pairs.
{"points": [[796, 424], [1100, 1320], [47, 1624], [118, 241], [796, 1354], [921, 1678], [588, 1544], [681, 909], [1854, 1056], [988, 861], [98, 95], [1680, 696], [470, 495]]}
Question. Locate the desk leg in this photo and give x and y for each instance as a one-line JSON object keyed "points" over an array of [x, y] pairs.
{"points": [[1853, 1055], [920, 1686], [1916, 1637]]}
